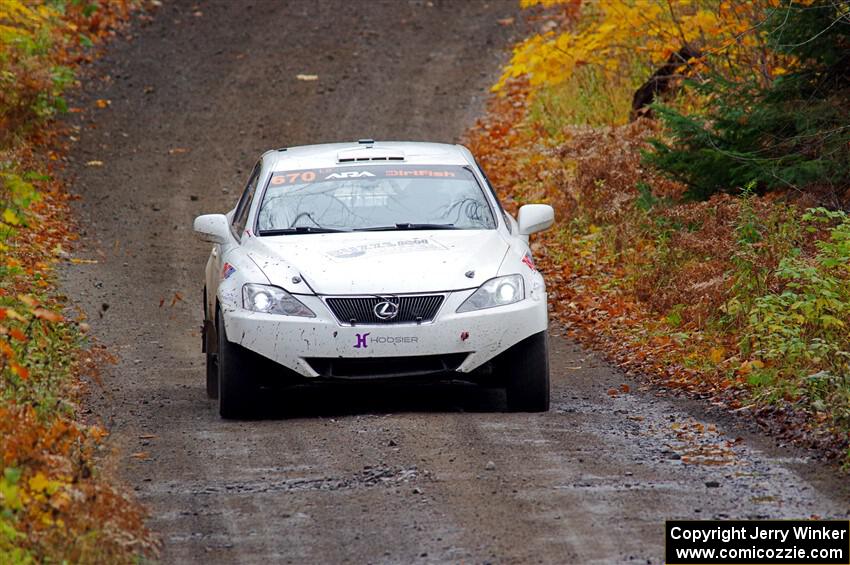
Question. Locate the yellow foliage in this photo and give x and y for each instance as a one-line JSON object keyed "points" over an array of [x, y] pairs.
{"points": [[19, 20], [10, 217], [618, 36], [717, 354], [39, 483], [544, 3]]}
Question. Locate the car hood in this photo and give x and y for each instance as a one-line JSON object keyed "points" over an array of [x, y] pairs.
{"points": [[391, 262]]}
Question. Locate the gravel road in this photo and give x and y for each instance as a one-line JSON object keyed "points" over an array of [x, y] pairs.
{"points": [[382, 475]]}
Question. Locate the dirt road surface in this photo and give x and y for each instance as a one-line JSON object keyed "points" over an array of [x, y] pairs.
{"points": [[385, 475]]}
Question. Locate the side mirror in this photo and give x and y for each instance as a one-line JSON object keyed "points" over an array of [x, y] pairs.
{"points": [[213, 228], [534, 218]]}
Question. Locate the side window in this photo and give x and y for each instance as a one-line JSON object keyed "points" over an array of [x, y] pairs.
{"points": [[495, 196], [240, 217]]}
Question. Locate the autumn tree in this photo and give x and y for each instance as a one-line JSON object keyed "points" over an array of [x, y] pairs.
{"points": [[636, 37], [791, 132], [765, 81]]}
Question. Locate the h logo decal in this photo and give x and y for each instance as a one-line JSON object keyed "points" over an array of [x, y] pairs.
{"points": [[361, 341]]}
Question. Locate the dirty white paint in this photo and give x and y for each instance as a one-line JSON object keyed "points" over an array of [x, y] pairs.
{"points": [[314, 266]]}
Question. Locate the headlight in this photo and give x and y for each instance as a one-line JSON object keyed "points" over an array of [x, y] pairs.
{"points": [[273, 300], [500, 291]]}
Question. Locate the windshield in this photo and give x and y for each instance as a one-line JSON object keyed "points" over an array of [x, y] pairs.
{"points": [[376, 197]]}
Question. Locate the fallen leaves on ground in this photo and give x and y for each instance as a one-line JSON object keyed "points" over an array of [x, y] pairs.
{"points": [[602, 289], [55, 505]]}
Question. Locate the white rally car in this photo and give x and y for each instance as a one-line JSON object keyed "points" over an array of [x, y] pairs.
{"points": [[369, 261]]}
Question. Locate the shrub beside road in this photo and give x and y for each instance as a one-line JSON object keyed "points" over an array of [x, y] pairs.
{"points": [[55, 503], [737, 291]]}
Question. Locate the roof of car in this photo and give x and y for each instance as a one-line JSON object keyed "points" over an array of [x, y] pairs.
{"points": [[366, 152]]}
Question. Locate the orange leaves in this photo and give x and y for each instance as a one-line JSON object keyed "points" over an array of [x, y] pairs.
{"points": [[5, 349], [19, 370], [177, 297], [14, 337], [44, 314], [630, 269], [47, 485], [51, 499], [27, 322], [700, 444], [97, 433], [24, 437], [597, 255]]}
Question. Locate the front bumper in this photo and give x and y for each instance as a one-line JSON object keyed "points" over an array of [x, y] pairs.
{"points": [[480, 335]]}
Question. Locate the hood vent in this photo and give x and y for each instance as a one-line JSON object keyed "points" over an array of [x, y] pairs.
{"points": [[368, 155], [361, 159]]}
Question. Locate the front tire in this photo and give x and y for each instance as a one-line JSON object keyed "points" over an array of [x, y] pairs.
{"points": [[211, 348], [236, 384], [527, 375]]}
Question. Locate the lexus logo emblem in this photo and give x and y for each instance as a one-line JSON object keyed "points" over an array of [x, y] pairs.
{"points": [[386, 309]]}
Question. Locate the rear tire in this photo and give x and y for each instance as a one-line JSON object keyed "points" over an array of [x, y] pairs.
{"points": [[527, 375], [237, 390]]}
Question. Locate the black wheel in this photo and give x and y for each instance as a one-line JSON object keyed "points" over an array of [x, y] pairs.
{"points": [[211, 348], [236, 384], [526, 370]]}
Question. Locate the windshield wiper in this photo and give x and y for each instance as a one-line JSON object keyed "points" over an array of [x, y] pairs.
{"points": [[409, 226], [300, 229]]}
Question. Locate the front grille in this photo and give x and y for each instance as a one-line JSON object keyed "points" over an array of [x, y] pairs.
{"points": [[386, 367], [361, 309]]}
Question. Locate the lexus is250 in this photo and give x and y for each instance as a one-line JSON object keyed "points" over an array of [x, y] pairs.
{"points": [[370, 261]]}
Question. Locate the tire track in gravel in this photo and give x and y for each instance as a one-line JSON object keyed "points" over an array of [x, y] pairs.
{"points": [[381, 475]]}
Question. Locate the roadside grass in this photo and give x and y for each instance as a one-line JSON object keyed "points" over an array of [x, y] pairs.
{"points": [[742, 300], [55, 505], [588, 97]]}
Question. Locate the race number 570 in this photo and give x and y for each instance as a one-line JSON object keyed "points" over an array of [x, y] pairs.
{"points": [[292, 178]]}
